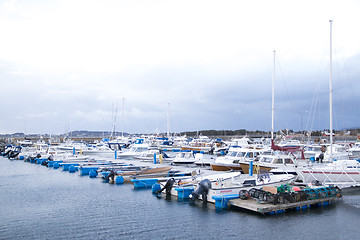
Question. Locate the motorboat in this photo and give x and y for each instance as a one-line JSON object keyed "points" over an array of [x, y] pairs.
{"points": [[284, 163], [341, 173], [235, 155]]}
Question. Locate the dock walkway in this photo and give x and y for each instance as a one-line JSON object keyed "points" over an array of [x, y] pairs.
{"points": [[265, 208]]}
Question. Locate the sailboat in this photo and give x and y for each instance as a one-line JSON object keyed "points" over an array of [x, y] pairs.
{"points": [[341, 173]]}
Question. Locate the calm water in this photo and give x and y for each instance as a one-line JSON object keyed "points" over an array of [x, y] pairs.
{"points": [[41, 203]]}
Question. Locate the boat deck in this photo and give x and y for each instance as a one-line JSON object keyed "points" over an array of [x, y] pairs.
{"points": [[265, 208]]}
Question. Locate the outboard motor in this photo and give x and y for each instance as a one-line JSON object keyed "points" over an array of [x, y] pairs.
{"points": [[202, 190], [111, 175], [13, 154], [168, 185]]}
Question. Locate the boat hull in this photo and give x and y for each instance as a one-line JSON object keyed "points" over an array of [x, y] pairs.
{"points": [[225, 167], [245, 167]]}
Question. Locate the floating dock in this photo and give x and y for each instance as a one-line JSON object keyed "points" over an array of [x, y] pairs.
{"points": [[266, 208]]}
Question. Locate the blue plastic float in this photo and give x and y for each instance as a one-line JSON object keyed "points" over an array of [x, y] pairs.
{"points": [[184, 192], [144, 183], [221, 201]]}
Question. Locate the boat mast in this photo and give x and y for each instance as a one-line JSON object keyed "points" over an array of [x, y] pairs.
{"points": [[122, 119], [330, 93], [273, 101], [168, 121]]}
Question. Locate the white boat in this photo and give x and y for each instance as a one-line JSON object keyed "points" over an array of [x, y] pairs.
{"points": [[235, 155], [332, 152], [100, 149], [148, 156], [338, 173], [225, 183], [53, 153], [276, 163], [311, 151], [354, 151], [135, 150], [70, 146], [201, 144], [184, 158], [25, 142]]}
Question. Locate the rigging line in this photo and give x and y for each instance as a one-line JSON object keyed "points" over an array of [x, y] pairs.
{"points": [[313, 108], [354, 97], [337, 69], [284, 82]]}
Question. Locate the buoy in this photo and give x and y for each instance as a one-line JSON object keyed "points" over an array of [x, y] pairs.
{"points": [[93, 174], [296, 189], [156, 187], [119, 180], [56, 165], [72, 169]]}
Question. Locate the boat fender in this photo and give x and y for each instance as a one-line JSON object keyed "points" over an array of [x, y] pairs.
{"points": [[168, 186], [202, 190], [93, 174], [72, 169], [119, 180], [155, 188], [56, 165]]}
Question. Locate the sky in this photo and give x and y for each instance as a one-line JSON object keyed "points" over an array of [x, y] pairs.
{"points": [[144, 65]]}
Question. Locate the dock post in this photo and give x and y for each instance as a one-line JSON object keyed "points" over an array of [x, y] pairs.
{"points": [[251, 168]]}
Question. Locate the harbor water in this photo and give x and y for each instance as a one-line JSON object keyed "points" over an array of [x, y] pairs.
{"points": [[37, 202]]}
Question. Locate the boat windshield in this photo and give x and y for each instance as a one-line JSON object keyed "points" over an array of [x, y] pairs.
{"points": [[288, 161], [232, 154], [266, 160]]}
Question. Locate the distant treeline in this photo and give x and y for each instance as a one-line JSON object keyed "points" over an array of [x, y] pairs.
{"points": [[209, 133], [240, 132], [244, 132]]}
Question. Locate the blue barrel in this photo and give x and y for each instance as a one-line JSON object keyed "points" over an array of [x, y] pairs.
{"points": [[119, 180], [72, 169], [93, 174], [156, 187], [56, 165]]}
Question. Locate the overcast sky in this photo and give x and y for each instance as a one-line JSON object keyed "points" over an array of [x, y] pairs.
{"points": [[67, 65]]}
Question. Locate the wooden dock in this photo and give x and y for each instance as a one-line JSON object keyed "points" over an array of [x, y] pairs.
{"points": [[265, 208]]}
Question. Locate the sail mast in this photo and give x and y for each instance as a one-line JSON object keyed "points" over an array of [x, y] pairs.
{"points": [[330, 93], [273, 101], [122, 119], [168, 121]]}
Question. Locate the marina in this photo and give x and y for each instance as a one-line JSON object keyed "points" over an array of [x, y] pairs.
{"points": [[62, 205], [179, 120], [252, 188]]}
